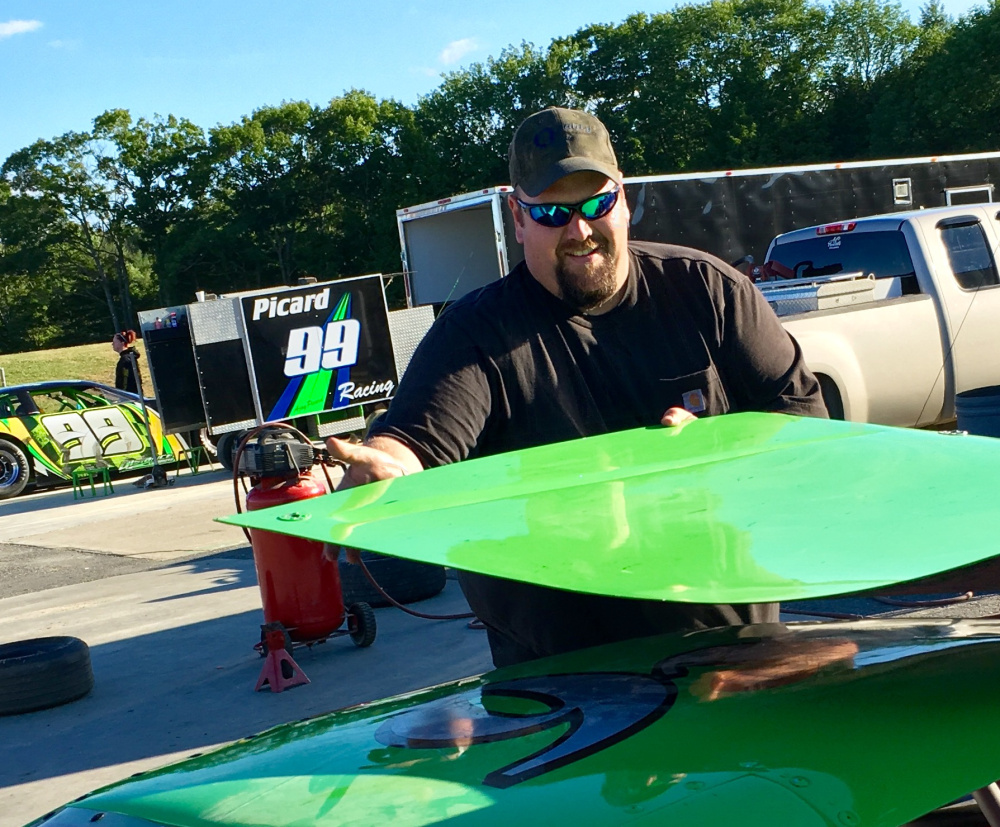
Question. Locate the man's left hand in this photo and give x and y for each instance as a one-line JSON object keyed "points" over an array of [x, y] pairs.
{"points": [[676, 417]]}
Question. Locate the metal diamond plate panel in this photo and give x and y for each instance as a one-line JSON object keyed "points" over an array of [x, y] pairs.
{"points": [[214, 321], [407, 328], [342, 426], [229, 427]]}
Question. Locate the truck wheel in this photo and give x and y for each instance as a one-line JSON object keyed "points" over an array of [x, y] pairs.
{"points": [[43, 672], [403, 580], [831, 396], [14, 469], [361, 624]]}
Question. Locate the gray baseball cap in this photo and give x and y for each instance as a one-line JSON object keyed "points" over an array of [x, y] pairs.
{"points": [[556, 142]]}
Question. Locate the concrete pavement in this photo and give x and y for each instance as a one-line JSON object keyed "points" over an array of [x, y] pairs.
{"points": [[172, 644]]}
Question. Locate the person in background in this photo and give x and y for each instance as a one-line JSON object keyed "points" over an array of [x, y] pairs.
{"points": [[590, 334], [127, 369]]}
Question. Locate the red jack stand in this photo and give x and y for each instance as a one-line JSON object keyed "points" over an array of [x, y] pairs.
{"points": [[280, 672]]}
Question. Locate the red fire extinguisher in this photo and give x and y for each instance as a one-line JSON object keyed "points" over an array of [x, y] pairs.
{"points": [[299, 587]]}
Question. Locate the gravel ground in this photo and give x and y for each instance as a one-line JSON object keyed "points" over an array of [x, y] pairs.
{"points": [[28, 569]]}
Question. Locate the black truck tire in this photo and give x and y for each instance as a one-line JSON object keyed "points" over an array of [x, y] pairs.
{"points": [[403, 580], [43, 672], [14, 469]]}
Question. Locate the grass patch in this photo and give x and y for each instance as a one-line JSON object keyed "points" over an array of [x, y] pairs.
{"points": [[95, 363]]}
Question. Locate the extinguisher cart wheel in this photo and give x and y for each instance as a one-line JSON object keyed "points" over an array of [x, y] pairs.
{"points": [[361, 624]]}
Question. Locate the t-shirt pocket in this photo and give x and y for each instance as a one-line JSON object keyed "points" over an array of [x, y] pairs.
{"points": [[700, 393]]}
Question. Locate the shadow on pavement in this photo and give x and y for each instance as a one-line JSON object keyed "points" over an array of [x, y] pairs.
{"points": [[190, 687]]}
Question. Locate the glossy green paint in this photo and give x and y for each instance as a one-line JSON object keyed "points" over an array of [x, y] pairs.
{"points": [[740, 508], [801, 725]]}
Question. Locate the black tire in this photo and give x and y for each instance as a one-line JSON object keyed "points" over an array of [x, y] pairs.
{"points": [[403, 580], [226, 447], [43, 672], [207, 442], [361, 624], [285, 634], [15, 469], [831, 396]]}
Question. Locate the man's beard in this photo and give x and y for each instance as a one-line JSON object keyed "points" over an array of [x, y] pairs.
{"points": [[590, 289]]}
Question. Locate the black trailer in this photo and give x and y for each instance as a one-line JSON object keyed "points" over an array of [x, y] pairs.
{"points": [[455, 244], [323, 355]]}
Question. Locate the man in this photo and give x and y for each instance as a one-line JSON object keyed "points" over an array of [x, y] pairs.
{"points": [[590, 334]]}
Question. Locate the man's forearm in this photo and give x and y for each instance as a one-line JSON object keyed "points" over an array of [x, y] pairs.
{"points": [[397, 450]]}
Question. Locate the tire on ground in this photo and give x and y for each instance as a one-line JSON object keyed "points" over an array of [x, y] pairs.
{"points": [[403, 580], [43, 672], [15, 469]]}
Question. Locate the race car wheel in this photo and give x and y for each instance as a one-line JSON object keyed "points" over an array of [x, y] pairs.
{"points": [[43, 672], [14, 469]]}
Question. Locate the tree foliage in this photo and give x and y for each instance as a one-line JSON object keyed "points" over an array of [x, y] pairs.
{"points": [[138, 213]]}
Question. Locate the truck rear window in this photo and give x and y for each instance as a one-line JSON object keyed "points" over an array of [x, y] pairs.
{"points": [[882, 253]]}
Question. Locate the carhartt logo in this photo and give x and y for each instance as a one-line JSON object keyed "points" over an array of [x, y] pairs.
{"points": [[694, 401]]}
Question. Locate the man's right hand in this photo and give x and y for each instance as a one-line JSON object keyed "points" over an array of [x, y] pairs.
{"points": [[365, 463], [383, 460]]}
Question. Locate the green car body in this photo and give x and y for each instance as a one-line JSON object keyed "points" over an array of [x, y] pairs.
{"points": [[48, 428], [798, 725]]}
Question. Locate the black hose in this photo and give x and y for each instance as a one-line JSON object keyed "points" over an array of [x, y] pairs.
{"points": [[938, 601], [409, 611]]}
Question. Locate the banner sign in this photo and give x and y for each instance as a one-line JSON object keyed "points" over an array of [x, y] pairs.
{"points": [[320, 347]]}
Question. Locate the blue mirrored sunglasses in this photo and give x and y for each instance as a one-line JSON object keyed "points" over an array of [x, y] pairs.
{"points": [[559, 215]]}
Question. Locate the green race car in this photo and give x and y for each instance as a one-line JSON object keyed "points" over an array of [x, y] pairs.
{"points": [[48, 428]]}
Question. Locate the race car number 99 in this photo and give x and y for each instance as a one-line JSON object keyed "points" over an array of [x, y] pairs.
{"points": [[91, 433], [312, 348]]}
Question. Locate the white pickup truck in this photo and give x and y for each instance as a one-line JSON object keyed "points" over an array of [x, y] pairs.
{"points": [[894, 313]]}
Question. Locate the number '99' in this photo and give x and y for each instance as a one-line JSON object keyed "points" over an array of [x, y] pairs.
{"points": [[312, 348]]}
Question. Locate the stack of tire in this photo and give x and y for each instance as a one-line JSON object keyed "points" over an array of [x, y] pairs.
{"points": [[403, 580]]}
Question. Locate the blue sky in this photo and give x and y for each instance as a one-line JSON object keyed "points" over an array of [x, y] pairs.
{"points": [[63, 62]]}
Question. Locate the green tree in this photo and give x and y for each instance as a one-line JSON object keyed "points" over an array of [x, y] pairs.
{"points": [[160, 170], [718, 84], [59, 185], [946, 97], [872, 41], [468, 121]]}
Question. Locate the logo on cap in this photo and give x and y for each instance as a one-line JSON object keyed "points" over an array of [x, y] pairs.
{"points": [[545, 137]]}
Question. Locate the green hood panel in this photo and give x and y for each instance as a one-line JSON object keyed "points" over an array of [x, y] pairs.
{"points": [[742, 508]]}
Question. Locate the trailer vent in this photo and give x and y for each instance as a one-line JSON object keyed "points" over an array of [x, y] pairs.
{"points": [[902, 191]]}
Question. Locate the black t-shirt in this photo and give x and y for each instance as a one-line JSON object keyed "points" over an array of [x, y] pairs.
{"points": [[511, 366]]}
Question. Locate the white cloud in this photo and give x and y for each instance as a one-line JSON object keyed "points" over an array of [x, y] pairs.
{"points": [[69, 45], [457, 49], [13, 27]]}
